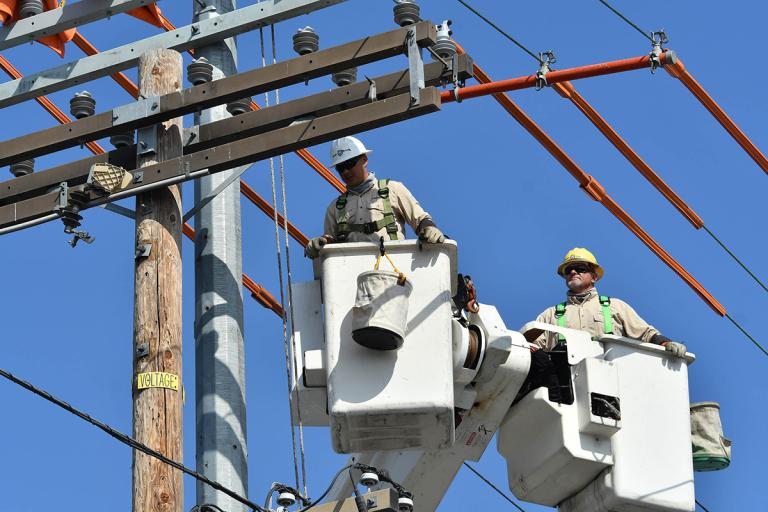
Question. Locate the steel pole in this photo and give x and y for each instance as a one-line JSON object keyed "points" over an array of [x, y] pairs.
{"points": [[221, 441]]}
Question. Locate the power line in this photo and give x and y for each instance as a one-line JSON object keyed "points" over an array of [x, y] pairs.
{"points": [[735, 258], [492, 24], [705, 509], [753, 340], [615, 11], [518, 507], [129, 441]]}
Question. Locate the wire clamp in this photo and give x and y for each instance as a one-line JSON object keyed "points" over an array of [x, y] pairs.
{"points": [[69, 204], [657, 40], [372, 94], [546, 59]]}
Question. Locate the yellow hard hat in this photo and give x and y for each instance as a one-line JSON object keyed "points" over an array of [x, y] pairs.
{"points": [[580, 254]]}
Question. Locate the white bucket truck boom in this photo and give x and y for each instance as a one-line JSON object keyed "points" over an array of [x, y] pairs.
{"points": [[420, 411]]}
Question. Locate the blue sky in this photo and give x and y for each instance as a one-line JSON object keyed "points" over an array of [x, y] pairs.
{"points": [[512, 208]]}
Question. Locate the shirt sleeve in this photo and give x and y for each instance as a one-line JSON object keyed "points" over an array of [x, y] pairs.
{"points": [[546, 340], [408, 206], [330, 226], [633, 326]]}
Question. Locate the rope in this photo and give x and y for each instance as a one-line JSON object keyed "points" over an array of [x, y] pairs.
{"points": [[617, 13], [290, 288], [518, 507], [136, 445], [753, 340], [280, 277], [492, 24], [735, 258]]}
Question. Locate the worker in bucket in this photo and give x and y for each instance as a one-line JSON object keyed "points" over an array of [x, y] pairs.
{"points": [[586, 310], [371, 208]]}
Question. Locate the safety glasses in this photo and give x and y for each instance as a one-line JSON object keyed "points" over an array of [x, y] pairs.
{"points": [[579, 269], [347, 165]]}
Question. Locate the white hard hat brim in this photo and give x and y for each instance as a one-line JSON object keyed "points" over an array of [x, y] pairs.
{"points": [[337, 162]]}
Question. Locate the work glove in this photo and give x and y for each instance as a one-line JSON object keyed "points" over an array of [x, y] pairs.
{"points": [[674, 348], [432, 235], [312, 250]]}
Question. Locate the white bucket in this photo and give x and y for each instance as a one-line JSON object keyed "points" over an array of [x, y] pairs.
{"points": [[380, 314]]}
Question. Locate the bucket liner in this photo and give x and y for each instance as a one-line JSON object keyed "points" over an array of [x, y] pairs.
{"points": [[711, 450], [380, 315]]}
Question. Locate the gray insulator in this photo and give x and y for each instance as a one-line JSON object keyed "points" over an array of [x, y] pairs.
{"points": [[199, 71], [82, 105], [444, 46], [344, 77], [406, 12], [23, 168], [120, 140], [239, 107], [30, 8], [305, 41]]}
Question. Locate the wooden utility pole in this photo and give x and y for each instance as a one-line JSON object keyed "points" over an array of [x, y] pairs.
{"points": [[157, 387]]}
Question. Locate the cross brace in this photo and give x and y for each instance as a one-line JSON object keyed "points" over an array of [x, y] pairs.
{"points": [[150, 111], [220, 158]]}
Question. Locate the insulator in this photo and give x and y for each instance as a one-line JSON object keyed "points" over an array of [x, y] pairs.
{"points": [[305, 41], [344, 77], [444, 46], [286, 499], [404, 504], [120, 140], [23, 168], [82, 105], [238, 107], [29, 8], [199, 71], [406, 12], [369, 479]]}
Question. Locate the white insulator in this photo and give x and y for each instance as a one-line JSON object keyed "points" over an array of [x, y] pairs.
{"points": [[286, 499], [30, 8], [404, 504], [82, 105], [345, 77], [369, 479], [199, 71], [406, 12], [23, 168], [444, 46], [305, 41]]}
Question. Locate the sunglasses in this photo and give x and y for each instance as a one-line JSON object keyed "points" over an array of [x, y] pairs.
{"points": [[579, 269], [347, 165]]}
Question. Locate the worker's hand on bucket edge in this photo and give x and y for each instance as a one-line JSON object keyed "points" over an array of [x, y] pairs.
{"points": [[432, 235], [312, 250], [675, 348]]}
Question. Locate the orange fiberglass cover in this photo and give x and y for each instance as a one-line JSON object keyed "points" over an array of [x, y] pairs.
{"points": [[9, 12]]}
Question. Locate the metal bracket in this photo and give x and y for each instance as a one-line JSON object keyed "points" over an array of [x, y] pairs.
{"points": [[415, 65], [142, 350], [135, 111], [191, 134], [63, 199], [659, 38], [371, 89], [146, 141], [546, 59], [143, 250], [138, 177]]}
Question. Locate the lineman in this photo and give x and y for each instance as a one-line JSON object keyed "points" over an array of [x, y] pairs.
{"points": [[371, 208], [586, 310]]}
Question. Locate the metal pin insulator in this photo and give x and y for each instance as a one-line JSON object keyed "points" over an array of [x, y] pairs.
{"points": [[444, 46], [305, 41], [120, 140], [82, 105], [29, 8], [345, 77], [406, 12], [23, 168], [199, 71], [238, 107]]}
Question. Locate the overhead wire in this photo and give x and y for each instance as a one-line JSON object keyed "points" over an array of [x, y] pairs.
{"points": [[596, 191], [279, 257], [629, 22], [705, 509], [129, 441], [502, 493], [290, 285]]}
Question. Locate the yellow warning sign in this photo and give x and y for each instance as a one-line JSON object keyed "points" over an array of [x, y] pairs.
{"points": [[157, 380]]}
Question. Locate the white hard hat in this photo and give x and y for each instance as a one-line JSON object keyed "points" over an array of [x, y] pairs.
{"points": [[346, 148]]}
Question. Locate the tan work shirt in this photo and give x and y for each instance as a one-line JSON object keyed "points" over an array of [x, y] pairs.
{"points": [[588, 316], [369, 207]]}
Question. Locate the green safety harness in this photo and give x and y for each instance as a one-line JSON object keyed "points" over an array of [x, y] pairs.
{"points": [[388, 221], [605, 305]]}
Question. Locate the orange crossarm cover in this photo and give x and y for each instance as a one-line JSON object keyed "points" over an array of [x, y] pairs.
{"points": [[149, 13], [9, 13], [596, 191]]}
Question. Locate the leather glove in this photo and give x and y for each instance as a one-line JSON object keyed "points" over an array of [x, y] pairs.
{"points": [[312, 250], [674, 348], [432, 235]]}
